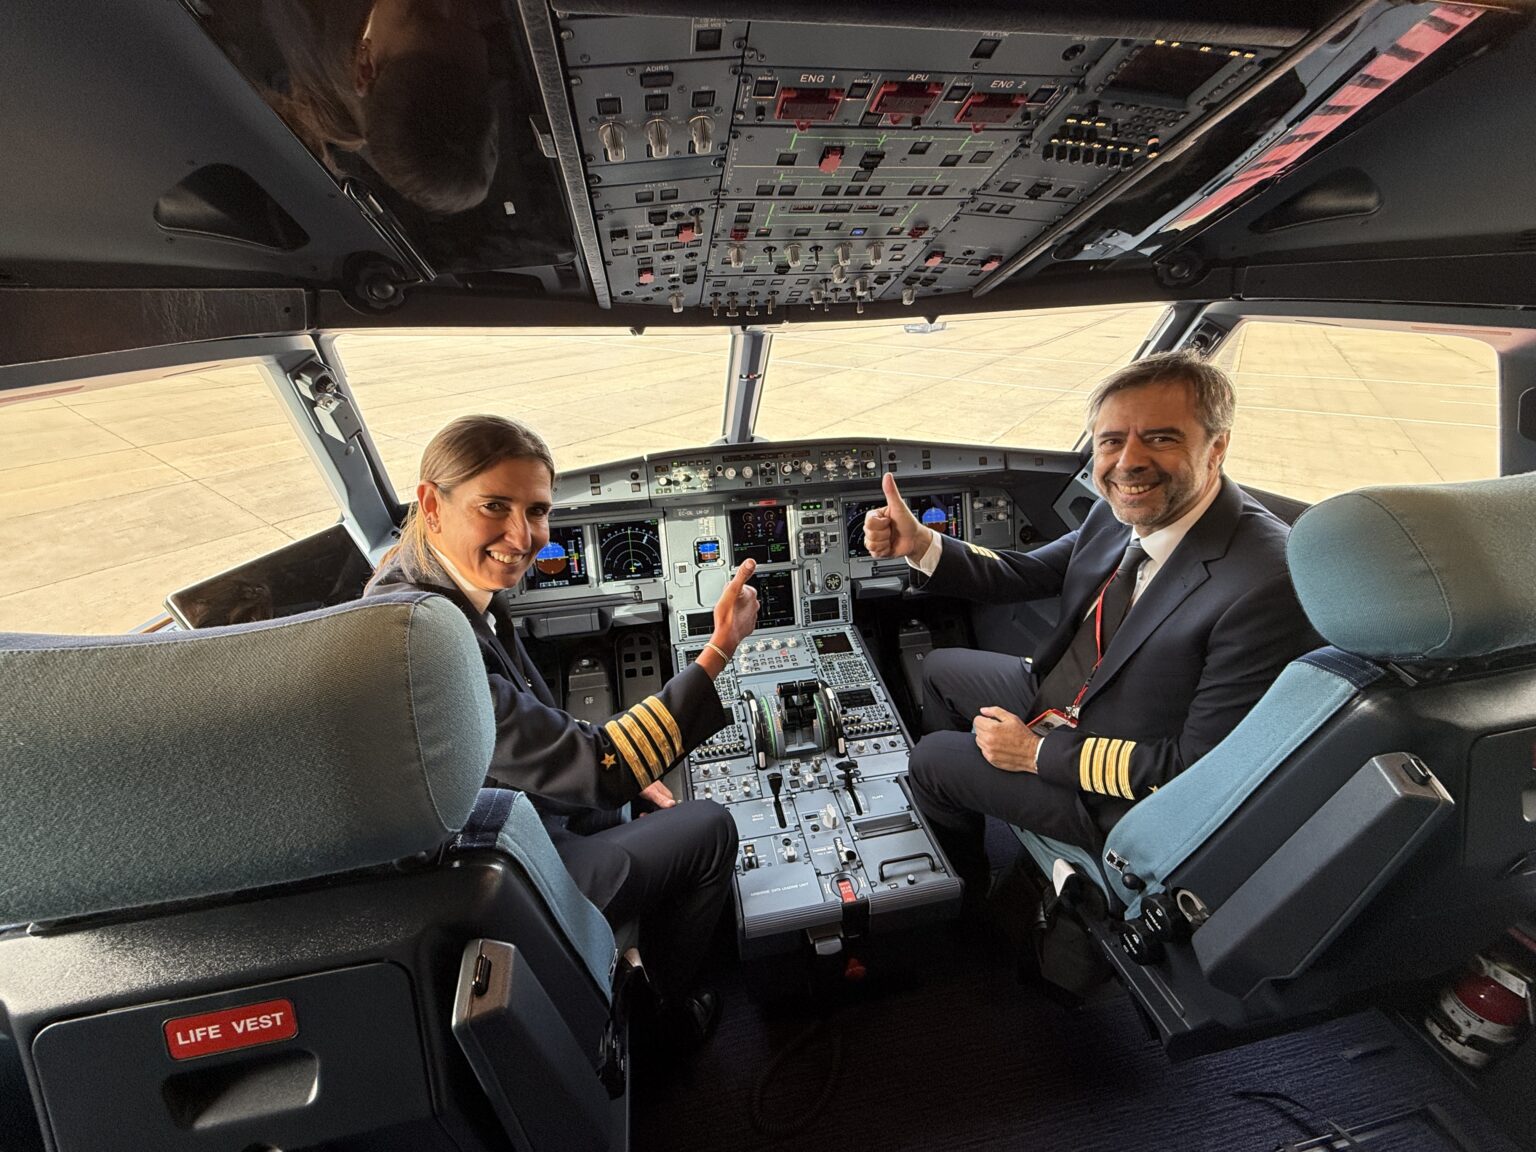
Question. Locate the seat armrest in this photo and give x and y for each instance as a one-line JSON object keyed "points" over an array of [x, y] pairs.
{"points": [[1293, 906]]}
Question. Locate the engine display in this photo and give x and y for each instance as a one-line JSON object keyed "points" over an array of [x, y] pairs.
{"points": [[562, 563], [943, 513], [761, 534], [775, 598], [630, 550]]}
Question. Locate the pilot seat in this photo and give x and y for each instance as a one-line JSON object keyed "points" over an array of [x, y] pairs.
{"points": [[1372, 822], [259, 899]]}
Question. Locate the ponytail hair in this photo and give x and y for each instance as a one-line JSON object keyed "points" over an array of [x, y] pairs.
{"points": [[460, 451]]}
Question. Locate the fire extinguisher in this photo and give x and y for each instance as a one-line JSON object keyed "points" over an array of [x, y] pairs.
{"points": [[1483, 1012]]}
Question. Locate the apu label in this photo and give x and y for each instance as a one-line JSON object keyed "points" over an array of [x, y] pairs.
{"points": [[230, 1028]]}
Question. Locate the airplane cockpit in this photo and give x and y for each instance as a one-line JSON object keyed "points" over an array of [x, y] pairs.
{"points": [[747, 272]]}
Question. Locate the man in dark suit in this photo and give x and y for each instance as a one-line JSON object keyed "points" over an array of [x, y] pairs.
{"points": [[1177, 613]]}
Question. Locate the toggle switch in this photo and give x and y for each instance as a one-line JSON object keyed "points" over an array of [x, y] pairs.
{"points": [[735, 256], [792, 255], [876, 254], [843, 253]]}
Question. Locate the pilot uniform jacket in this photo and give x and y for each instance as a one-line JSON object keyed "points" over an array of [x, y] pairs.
{"points": [[1200, 645], [568, 765]]}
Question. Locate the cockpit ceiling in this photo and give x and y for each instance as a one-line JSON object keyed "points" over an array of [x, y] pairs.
{"points": [[679, 158]]}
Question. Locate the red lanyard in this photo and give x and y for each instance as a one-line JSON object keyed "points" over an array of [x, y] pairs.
{"points": [[1098, 647]]}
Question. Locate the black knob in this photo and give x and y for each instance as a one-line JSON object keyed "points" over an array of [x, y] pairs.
{"points": [[1162, 919], [1139, 943]]}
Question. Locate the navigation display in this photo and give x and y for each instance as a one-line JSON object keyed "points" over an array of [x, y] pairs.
{"points": [[775, 598], [943, 513], [630, 550], [562, 563], [760, 534]]}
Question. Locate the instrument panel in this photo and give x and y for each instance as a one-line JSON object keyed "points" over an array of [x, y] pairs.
{"points": [[666, 533]]}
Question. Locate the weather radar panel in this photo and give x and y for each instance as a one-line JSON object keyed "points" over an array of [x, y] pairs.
{"points": [[630, 550], [562, 563]]}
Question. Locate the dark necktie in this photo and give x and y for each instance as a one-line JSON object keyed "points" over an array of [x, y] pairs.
{"points": [[1065, 681]]}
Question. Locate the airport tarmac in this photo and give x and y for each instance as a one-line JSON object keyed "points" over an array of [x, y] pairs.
{"points": [[110, 498]]}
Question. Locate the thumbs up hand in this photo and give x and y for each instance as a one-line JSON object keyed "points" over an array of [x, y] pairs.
{"points": [[893, 531]]}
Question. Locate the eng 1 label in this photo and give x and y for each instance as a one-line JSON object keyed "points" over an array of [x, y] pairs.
{"points": [[229, 1029]]}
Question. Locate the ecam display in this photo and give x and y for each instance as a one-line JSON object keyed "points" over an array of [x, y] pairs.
{"points": [[760, 533], [775, 598]]}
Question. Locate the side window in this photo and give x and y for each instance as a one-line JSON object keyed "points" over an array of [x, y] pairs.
{"points": [[1322, 409], [111, 498]]}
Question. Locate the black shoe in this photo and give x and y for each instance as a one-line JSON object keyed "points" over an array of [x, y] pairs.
{"points": [[690, 1023]]}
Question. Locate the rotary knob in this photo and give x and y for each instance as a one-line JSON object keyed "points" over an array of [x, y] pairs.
{"points": [[657, 136], [746, 471]]}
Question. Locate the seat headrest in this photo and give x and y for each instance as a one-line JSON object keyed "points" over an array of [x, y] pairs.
{"points": [[1421, 571], [138, 770]]}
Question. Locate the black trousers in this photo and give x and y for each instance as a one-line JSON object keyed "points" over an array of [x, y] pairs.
{"points": [[670, 871], [953, 784]]}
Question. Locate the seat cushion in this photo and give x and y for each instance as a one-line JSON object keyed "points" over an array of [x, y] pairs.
{"points": [[137, 770]]}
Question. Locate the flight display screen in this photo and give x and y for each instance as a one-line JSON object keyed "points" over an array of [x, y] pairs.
{"points": [[630, 550], [775, 598], [761, 534], [943, 513], [562, 563], [831, 643]]}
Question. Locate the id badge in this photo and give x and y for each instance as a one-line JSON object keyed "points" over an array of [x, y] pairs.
{"points": [[1050, 720]]}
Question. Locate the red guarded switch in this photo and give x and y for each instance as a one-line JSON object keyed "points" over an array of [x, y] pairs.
{"points": [[687, 232], [647, 275], [990, 263], [934, 259], [831, 157], [845, 890]]}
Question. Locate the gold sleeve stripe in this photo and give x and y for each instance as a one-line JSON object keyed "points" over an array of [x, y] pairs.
{"points": [[653, 730], [627, 750], [1100, 747], [980, 551], [1111, 780], [636, 733], [1084, 761], [664, 714], [1123, 771]]}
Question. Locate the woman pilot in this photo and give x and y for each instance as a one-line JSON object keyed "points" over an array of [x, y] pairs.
{"points": [[482, 515]]}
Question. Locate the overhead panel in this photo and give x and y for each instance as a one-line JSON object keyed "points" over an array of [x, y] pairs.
{"points": [[746, 168]]}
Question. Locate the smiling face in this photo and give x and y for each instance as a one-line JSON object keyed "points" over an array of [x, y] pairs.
{"points": [[492, 525], [1152, 458]]}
